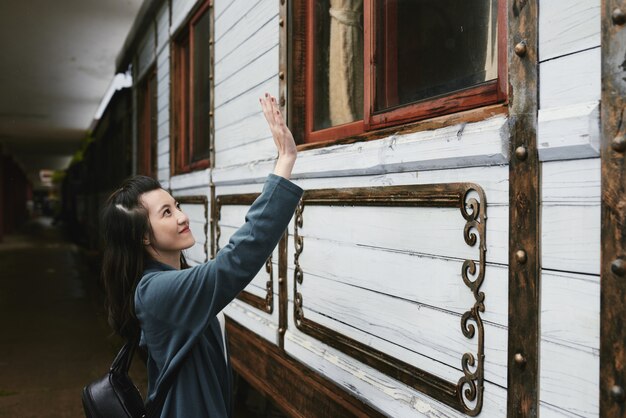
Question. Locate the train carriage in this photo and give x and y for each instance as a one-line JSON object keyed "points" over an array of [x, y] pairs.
{"points": [[452, 248]]}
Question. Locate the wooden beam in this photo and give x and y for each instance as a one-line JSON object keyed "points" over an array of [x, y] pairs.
{"points": [[613, 234], [296, 389], [524, 235]]}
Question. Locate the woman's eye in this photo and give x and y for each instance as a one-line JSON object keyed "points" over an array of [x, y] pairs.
{"points": [[178, 206], [166, 212]]}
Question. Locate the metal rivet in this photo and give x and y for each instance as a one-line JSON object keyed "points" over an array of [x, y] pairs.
{"points": [[617, 393], [521, 153], [519, 360], [281, 21], [281, 75], [618, 267], [520, 49], [211, 77], [211, 113], [618, 16], [282, 100], [210, 41], [281, 280], [520, 256], [281, 330], [619, 143]]}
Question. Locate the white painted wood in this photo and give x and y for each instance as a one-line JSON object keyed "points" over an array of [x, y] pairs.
{"points": [[569, 379], [382, 392], [263, 149], [192, 191], [426, 231], [570, 309], [239, 22], [464, 145], [163, 133], [162, 26], [194, 211], [423, 336], [571, 79], [194, 179], [254, 320], [163, 177], [432, 281], [493, 180], [571, 182], [243, 106], [246, 131], [163, 160], [569, 132], [257, 71], [163, 145], [262, 41], [180, 12], [550, 411], [570, 238], [567, 26], [146, 53], [220, 6]]}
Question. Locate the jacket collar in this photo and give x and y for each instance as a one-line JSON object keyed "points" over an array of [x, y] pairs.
{"points": [[152, 266]]}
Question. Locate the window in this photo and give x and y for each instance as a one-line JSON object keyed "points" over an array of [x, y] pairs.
{"points": [[191, 93], [147, 124], [373, 64]]}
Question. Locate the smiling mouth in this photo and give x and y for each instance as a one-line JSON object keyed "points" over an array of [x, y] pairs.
{"points": [[186, 229]]}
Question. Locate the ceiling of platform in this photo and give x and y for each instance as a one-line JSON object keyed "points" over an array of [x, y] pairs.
{"points": [[57, 60]]}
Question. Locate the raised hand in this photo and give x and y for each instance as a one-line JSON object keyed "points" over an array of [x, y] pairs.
{"points": [[283, 139]]}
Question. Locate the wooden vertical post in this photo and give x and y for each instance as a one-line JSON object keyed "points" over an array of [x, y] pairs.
{"points": [[613, 234], [524, 214]]}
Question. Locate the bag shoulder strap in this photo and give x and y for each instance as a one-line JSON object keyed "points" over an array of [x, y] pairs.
{"points": [[122, 362]]}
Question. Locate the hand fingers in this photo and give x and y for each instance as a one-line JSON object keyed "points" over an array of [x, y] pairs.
{"points": [[267, 110]]}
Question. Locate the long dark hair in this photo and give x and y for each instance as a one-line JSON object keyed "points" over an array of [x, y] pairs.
{"points": [[125, 224]]}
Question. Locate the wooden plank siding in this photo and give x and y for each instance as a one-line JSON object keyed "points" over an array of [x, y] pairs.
{"points": [[390, 277], [569, 129]]}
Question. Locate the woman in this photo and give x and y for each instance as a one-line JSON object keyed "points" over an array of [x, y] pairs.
{"points": [[152, 295]]}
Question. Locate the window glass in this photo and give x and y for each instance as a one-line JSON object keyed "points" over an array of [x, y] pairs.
{"points": [[427, 48], [337, 62], [202, 88]]}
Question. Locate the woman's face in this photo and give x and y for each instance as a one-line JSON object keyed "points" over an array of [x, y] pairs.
{"points": [[170, 226]]}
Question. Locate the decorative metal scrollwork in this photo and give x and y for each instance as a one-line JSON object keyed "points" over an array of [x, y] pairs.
{"points": [[467, 394], [471, 385], [298, 276]]}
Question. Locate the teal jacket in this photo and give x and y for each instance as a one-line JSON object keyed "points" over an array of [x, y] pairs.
{"points": [[177, 308]]}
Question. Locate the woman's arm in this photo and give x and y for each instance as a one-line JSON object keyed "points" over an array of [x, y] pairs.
{"points": [[283, 139]]}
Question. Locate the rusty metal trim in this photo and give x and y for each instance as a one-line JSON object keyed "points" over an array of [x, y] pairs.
{"points": [[613, 209], [524, 212], [200, 200], [265, 304], [466, 395]]}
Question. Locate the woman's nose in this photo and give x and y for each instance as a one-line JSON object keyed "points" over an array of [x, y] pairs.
{"points": [[182, 218]]}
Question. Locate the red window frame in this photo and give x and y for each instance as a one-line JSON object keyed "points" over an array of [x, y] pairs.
{"points": [[484, 94], [146, 124], [183, 90]]}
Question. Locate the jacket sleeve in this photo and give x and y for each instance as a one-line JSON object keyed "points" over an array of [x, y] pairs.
{"points": [[174, 306]]}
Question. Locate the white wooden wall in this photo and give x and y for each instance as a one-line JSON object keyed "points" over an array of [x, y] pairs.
{"points": [[568, 131], [390, 277]]}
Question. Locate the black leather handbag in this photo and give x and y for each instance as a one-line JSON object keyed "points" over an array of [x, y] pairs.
{"points": [[116, 396]]}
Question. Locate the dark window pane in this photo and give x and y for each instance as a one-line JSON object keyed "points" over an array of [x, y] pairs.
{"points": [[338, 62], [201, 88], [428, 48]]}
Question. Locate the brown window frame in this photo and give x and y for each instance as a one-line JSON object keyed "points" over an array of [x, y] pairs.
{"points": [[147, 124], [182, 96], [302, 101]]}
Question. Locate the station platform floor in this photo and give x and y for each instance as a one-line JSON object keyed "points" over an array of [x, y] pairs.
{"points": [[53, 332], [54, 337]]}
